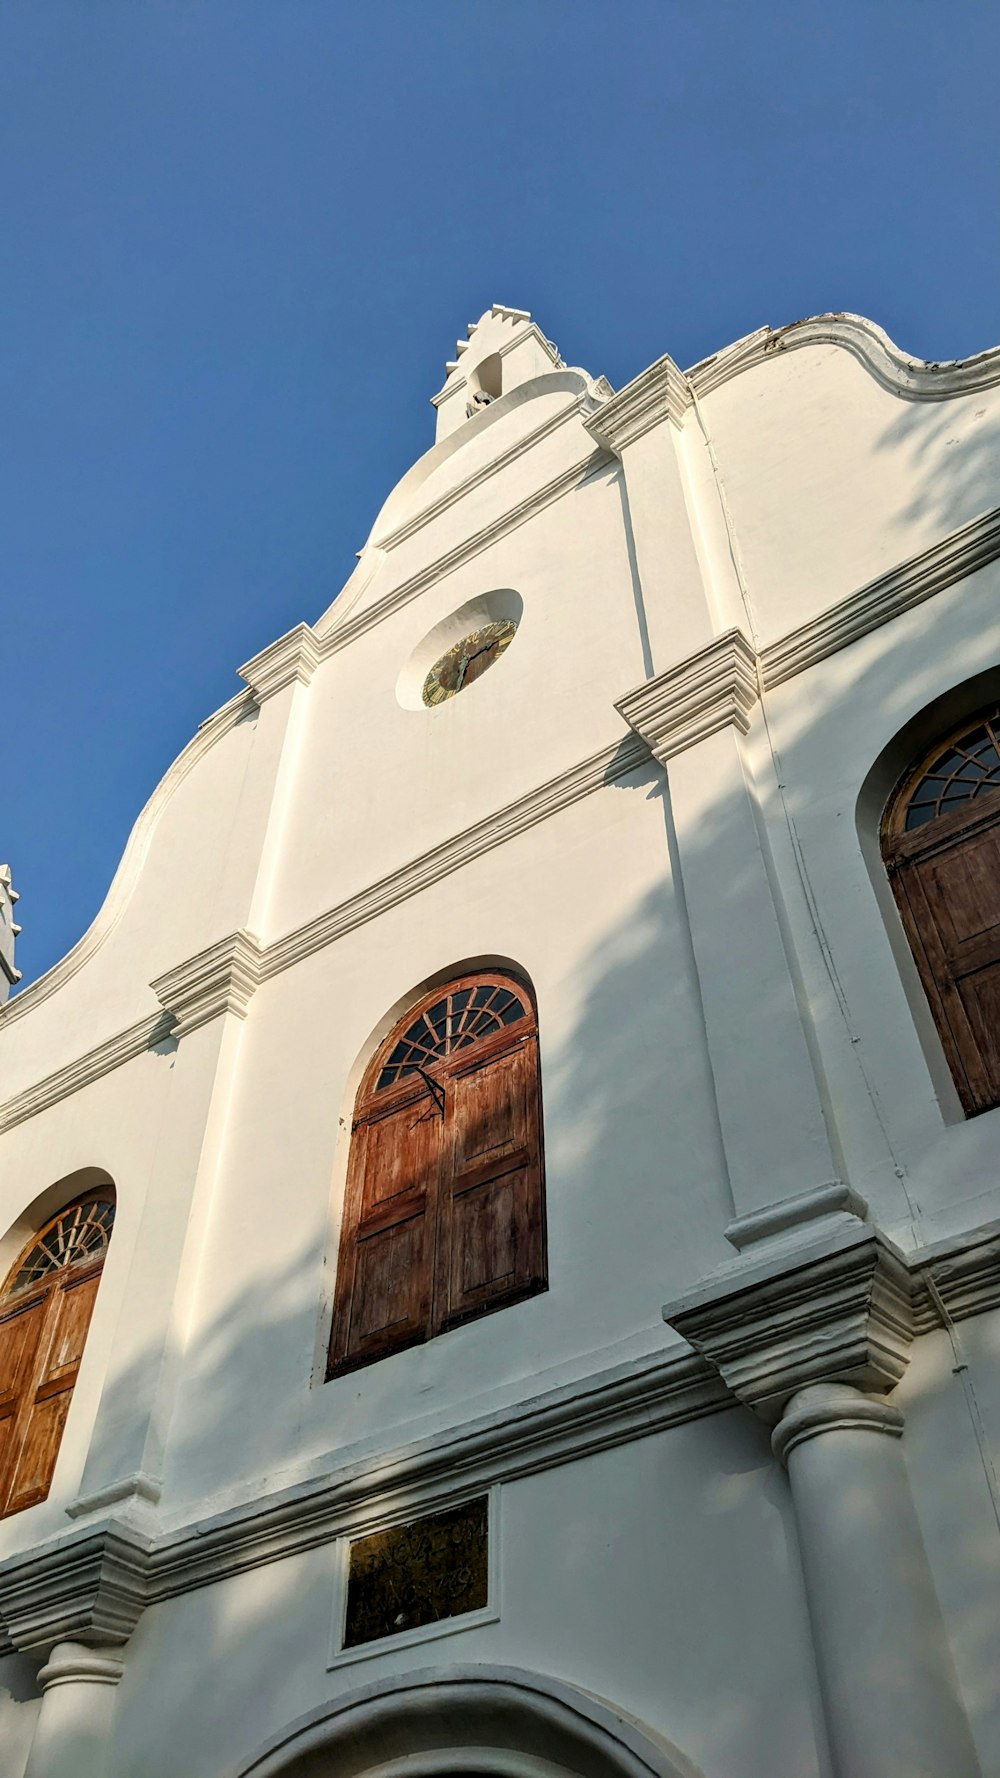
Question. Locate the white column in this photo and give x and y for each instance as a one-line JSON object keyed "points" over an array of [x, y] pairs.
{"points": [[74, 1723], [890, 1692]]}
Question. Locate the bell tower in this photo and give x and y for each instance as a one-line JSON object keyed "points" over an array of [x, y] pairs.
{"points": [[501, 350]]}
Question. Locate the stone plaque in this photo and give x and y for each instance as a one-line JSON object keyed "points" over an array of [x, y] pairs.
{"points": [[418, 1573]]}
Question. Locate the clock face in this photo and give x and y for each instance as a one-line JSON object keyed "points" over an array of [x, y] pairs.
{"points": [[467, 660]]}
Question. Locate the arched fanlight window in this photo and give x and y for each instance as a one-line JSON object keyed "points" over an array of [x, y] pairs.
{"points": [[45, 1309], [941, 845], [444, 1215]]}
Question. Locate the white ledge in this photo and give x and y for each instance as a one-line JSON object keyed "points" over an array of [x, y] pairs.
{"points": [[660, 393], [713, 689], [293, 658], [218, 980], [915, 379]]}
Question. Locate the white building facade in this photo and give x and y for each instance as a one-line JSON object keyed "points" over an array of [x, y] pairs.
{"points": [[598, 1378]]}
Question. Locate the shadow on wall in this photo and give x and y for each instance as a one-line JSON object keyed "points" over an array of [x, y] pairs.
{"points": [[213, 1674]]}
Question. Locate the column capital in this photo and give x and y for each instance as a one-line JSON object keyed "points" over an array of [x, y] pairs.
{"points": [[74, 1663], [832, 1310], [222, 978], [660, 393], [293, 658], [832, 1407], [88, 1590], [713, 689]]}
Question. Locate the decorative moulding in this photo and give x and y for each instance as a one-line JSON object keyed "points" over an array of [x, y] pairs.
{"points": [[825, 1201], [217, 980], [914, 378], [136, 1040], [139, 1491], [453, 1719], [470, 547], [429, 867], [88, 1587], [710, 690], [73, 1664], [835, 1311], [659, 393], [630, 1401], [832, 1407], [293, 658], [589, 399], [911, 582]]}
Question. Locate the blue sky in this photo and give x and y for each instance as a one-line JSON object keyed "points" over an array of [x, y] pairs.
{"points": [[240, 238]]}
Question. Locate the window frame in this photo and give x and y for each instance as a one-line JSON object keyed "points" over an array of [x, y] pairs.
{"points": [[374, 1106]]}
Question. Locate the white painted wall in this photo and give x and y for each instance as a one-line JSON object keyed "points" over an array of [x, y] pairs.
{"points": [[663, 1574]]}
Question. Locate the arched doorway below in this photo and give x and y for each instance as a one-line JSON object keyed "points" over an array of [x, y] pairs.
{"points": [[468, 1722]]}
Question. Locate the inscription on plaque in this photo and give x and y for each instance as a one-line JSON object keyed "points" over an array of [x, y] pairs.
{"points": [[415, 1574]]}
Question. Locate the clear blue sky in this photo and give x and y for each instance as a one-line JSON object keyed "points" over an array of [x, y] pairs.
{"points": [[241, 236]]}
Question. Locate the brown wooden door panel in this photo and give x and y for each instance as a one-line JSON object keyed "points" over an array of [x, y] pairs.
{"points": [[980, 994], [949, 899], [490, 1246], [71, 1312], [390, 1285], [36, 1459], [962, 886], [401, 1154], [20, 1332]]}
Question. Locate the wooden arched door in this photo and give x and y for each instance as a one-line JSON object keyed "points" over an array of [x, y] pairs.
{"points": [[45, 1310], [941, 845], [444, 1216]]}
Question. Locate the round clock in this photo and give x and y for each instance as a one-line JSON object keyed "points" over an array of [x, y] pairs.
{"points": [[467, 660]]}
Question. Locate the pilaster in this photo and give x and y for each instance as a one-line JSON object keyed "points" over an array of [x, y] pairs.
{"points": [[640, 426], [777, 1144]]}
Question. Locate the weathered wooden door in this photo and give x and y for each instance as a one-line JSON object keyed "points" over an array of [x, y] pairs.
{"points": [[45, 1312], [444, 1211], [942, 852]]}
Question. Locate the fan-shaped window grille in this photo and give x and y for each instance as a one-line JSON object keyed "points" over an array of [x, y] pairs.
{"points": [[45, 1310], [941, 845], [452, 1023], [80, 1233], [444, 1214], [967, 765]]}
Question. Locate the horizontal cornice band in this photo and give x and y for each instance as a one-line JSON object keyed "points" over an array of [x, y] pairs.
{"points": [[440, 861], [915, 379], [573, 1422], [578, 471], [908, 584], [136, 1040]]}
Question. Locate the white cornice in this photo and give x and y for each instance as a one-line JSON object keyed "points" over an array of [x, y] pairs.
{"points": [[659, 393], [833, 1310], [956, 557], [710, 690], [293, 657], [136, 1040], [440, 861], [87, 1587], [915, 379], [218, 980], [470, 547], [586, 403], [611, 1408]]}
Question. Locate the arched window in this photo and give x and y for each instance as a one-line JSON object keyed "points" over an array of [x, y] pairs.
{"points": [[941, 845], [444, 1217], [45, 1310]]}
